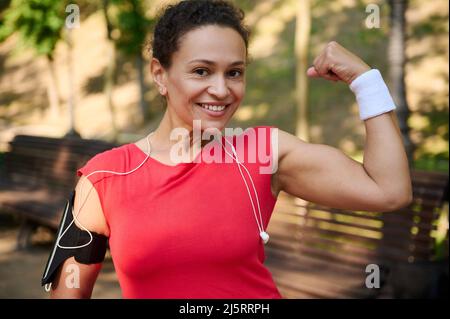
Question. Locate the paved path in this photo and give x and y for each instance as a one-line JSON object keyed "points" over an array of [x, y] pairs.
{"points": [[21, 271]]}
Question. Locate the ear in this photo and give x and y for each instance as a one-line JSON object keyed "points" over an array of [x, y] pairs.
{"points": [[158, 74]]}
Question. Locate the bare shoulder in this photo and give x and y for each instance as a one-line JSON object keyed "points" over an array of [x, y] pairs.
{"points": [[282, 143], [91, 215], [295, 156], [286, 142]]}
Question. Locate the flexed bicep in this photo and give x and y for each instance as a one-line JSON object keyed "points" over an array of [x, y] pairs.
{"points": [[325, 175]]}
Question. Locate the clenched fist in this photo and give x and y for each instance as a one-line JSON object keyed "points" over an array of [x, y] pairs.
{"points": [[336, 63]]}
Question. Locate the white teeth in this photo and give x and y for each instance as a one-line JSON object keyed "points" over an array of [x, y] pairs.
{"points": [[213, 107]]}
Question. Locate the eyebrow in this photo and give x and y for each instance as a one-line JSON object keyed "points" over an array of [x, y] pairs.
{"points": [[213, 63]]}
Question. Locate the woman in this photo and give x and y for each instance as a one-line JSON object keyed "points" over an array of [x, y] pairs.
{"points": [[186, 229]]}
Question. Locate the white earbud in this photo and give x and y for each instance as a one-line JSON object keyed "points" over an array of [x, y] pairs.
{"points": [[262, 233], [265, 237]]}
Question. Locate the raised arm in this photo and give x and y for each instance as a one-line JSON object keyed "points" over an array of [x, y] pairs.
{"points": [[325, 175], [76, 280]]}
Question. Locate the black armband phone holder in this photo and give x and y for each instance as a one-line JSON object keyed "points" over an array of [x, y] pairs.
{"points": [[91, 254]]}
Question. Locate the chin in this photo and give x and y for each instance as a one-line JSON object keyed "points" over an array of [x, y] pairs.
{"points": [[212, 126]]}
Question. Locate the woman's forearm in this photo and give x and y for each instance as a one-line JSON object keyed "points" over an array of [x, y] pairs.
{"points": [[385, 159], [75, 280]]}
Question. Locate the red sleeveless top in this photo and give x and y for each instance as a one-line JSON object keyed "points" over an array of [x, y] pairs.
{"points": [[188, 231]]}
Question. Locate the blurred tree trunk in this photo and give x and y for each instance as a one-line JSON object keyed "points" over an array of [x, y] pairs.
{"points": [[52, 88], [71, 100], [39, 25], [302, 32], [133, 26], [110, 72], [397, 60]]}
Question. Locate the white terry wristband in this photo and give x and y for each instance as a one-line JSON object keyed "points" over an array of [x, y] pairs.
{"points": [[372, 94]]}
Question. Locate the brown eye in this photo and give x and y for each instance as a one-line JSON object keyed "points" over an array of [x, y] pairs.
{"points": [[235, 73], [201, 72]]}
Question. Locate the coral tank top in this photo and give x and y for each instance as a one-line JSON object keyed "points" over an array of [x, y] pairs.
{"points": [[188, 230]]}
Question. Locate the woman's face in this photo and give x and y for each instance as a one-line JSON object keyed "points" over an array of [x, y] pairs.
{"points": [[206, 75]]}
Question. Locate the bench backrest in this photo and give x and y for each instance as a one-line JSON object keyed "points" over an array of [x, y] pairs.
{"points": [[49, 161], [316, 239], [409, 233]]}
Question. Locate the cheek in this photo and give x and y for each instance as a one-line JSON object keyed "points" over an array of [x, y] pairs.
{"points": [[179, 87], [189, 92], [239, 91]]}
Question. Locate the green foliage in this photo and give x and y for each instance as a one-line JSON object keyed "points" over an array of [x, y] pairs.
{"points": [[436, 24], [5, 32], [39, 23], [429, 162], [132, 24]]}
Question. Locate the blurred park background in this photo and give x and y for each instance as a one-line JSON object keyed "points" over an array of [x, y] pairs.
{"points": [[93, 80]]}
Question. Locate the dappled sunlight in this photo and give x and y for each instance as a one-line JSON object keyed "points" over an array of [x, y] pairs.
{"points": [[270, 94], [435, 144], [431, 7], [21, 271], [26, 76], [263, 46], [328, 247], [348, 146], [244, 113], [268, 29], [427, 78], [247, 112], [346, 219], [418, 121], [352, 230], [89, 59], [441, 224]]}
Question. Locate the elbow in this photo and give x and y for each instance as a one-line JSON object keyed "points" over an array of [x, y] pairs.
{"points": [[67, 295], [399, 201], [70, 293], [406, 200]]}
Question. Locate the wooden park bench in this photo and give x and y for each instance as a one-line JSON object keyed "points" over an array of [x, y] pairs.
{"points": [[320, 252], [38, 176], [313, 252]]}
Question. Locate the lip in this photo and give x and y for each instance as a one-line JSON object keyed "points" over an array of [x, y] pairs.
{"points": [[214, 103], [213, 113]]}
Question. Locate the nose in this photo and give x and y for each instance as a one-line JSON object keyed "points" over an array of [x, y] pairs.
{"points": [[219, 88]]}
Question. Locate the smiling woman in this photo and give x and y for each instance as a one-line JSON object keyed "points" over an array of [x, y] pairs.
{"points": [[206, 79], [199, 56], [167, 239], [187, 230]]}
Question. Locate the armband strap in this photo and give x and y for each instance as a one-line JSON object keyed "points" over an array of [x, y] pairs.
{"points": [[91, 254]]}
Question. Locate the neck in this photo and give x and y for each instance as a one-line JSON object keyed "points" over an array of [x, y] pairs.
{"points": [[161, 137]]}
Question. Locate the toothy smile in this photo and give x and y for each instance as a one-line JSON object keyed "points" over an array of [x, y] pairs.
{"points": [[215, 108]]}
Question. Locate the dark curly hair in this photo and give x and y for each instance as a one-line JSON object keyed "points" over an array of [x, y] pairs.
{"points": [[178, 19]]}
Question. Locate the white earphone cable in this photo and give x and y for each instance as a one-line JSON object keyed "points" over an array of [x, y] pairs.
{"points": [[81, 195], [259, 222], [264, 235]]}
